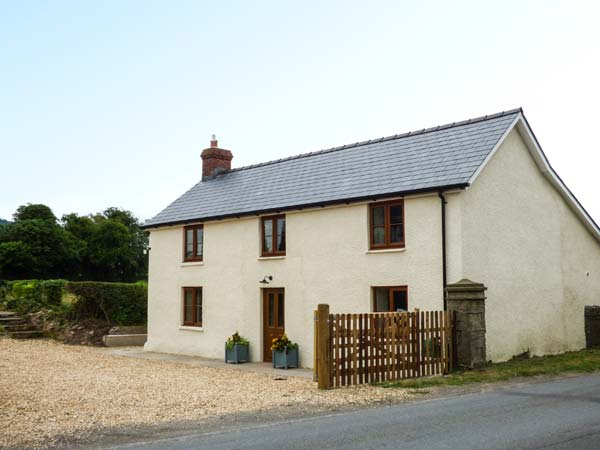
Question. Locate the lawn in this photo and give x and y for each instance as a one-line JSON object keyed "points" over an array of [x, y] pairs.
{"points": [[583, 361]]}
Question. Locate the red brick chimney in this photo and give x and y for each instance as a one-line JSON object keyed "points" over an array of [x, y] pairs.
{"points": [[215, 160]]}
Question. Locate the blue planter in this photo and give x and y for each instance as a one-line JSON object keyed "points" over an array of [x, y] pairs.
{"points": [[284, 359], [240, 353]]}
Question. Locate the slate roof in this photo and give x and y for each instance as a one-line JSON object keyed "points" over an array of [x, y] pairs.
{"points": [[424, 160]]}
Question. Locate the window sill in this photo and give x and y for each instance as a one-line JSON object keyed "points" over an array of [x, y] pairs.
{"points": [[387, 250], [260, 258], [189, 328], [192, 263]]}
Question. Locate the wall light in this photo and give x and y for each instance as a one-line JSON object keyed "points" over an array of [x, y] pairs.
{"points": [[266, 279]]}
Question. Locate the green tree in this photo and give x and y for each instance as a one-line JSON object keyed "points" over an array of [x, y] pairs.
{"points": [[34, 211], [108, 246], [37, 248], [113, 244]]}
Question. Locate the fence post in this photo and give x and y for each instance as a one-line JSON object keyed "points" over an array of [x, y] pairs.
{"points": [[323, 347], [315, 342], [466, 299]]}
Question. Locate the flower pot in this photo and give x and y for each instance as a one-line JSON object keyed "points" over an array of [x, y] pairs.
{"points": [[284, 359], [240, 353]]}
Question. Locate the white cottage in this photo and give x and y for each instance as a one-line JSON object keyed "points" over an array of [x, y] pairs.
{"points": [[375, 226]]}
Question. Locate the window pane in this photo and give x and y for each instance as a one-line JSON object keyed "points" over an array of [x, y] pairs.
{"points": [[268, 244], [199, 241], [268, 235], [198, 305], [396, 233], [396, 214], [382, 300], [379, 235], [400, 302], [281, 235], [271, 310], [268, 227], [280, 311], [378, 216], [189, 243], [187, 306]]}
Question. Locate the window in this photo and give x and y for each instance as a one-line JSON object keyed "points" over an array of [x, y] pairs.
{"points": [[390, 299], [273, 236], [193, 241], [387, 225], [192, 306]]}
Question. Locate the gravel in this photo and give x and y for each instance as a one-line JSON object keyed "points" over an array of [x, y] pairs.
{"points": [[51, 392]]}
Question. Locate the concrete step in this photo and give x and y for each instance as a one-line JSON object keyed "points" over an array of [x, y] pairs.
{"points": [[7, 314], [31, 334]]}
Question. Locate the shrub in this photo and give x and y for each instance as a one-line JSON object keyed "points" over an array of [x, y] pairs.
{"points": [[283, 343], [52, 291], [119, 303], [235, 338], [26, 296], [3, 291]]}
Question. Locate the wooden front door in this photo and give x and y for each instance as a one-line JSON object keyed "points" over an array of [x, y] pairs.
{"points": [[273, 318]]}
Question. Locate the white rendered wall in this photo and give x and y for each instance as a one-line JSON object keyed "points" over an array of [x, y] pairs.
{"points": [[327, 261], [540, 264]]}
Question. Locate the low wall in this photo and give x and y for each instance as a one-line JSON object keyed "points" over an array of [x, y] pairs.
{"points": [[124, 340]]}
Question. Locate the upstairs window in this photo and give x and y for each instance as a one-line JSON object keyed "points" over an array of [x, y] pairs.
{"points": [[193, 242], [386, 225], [390, 299], [273, 236], [192, 306]]}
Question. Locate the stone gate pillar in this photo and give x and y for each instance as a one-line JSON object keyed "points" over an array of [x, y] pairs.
{"points": [[467, 299]]}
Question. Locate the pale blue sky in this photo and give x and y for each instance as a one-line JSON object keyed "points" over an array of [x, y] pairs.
{"points": [[110, 103]]}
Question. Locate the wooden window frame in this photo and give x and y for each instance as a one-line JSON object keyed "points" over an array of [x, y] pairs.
{"points": [[273, 220], [195, 322], [391, 290], [387, 225], [194, 256]]}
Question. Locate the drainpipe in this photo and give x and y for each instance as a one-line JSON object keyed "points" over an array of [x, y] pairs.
{"points": [[444, 276]]}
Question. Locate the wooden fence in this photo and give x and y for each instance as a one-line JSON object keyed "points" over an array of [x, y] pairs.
{"points": [[371, 347]]}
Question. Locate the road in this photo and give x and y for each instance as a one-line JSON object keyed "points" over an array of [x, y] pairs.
{"points": [[560, 414]]}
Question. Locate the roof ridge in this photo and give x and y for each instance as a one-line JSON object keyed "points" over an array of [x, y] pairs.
{"points": [[382, 139]]}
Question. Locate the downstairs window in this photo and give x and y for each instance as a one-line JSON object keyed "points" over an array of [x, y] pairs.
{"points": [[390, 299], [192, 306]]}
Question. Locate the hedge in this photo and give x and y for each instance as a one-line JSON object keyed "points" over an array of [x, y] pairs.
{"points": [[119, 303], [27, 296], [116, 303]]}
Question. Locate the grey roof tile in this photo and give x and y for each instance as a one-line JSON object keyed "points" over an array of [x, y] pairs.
{"points": [[425, 159]]}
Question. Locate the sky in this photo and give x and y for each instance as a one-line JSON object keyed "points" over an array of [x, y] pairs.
{"points": [[110, 103]]}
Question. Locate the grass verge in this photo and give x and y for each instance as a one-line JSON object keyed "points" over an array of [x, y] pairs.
{"points": [[583, 361]]}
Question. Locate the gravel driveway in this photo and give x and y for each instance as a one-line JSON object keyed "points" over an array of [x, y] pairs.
{"points": [[50, 392]]}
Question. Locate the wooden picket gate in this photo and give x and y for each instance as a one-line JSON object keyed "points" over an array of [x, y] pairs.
{"points": [[371, 347]]}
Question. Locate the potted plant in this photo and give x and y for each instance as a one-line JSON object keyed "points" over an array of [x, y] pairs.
{"points": [[237, 349], [285, 353]]}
